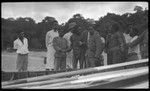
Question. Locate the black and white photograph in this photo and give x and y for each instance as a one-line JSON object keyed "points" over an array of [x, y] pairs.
{"points": [[74, 45]]}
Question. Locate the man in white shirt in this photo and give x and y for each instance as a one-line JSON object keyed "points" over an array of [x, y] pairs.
{"points": [[134, 52], [127, 37], [50, 50], [104, 53], [21, 44], [69, 54]]}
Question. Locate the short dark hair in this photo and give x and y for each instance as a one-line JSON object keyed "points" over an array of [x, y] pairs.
{"points": [[61, 33], [115, 28], [134, 31]]}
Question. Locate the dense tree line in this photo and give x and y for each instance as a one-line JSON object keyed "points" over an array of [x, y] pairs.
{"points": [[36, 32]]}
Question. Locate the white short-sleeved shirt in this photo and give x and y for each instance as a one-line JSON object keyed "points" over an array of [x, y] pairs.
{"points": [[67, 37], [127, 37], [22, 48], [135, 48], [50, 36]]}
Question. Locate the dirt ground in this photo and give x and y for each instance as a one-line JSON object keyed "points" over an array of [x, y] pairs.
{"points": [[35, 61]]}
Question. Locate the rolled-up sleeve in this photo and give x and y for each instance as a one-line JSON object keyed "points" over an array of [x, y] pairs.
{"points": [[26, 43], [15, 44], [48, 39], [138, 40]]}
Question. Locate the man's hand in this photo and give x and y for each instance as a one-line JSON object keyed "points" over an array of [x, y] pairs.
{"points": [[128, 45], [68, 50], [122, 47], [63, 50], [80, 43], [97, 56]]}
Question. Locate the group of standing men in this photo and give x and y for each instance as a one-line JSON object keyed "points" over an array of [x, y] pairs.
{"points": [[87, 46]]}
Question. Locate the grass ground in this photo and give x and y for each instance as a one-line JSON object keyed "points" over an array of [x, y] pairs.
{"points": [[35, 61]]}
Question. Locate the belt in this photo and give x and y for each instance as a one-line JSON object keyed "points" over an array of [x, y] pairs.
{"points": [[133, 53], [22, 54]]}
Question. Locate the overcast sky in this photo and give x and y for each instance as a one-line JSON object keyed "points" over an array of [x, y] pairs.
{"points": [[63, 11]]}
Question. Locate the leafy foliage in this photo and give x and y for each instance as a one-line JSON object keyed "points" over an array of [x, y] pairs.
{"points": [[36, 32]]}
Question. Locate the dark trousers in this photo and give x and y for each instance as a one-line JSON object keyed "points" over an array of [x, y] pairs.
{"points": [[115, 56], [144, 55], [100, 61], [109, 58], [60, 63], [91, 62], [83, 62], [132, 56], [79, 59], [22, 62]]}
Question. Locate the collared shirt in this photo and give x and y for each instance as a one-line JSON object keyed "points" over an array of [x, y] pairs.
{"points": [[136, 48], [67, 37], [50, 36], [22, 48], [127, 37], [59, 44], [88, 37], [103, 40], [94, 45]]}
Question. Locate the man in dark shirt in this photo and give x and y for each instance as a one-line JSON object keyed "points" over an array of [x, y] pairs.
{"points": [[115, 45], [76, 43], [60, 44], [94, 48], [143, 41]]}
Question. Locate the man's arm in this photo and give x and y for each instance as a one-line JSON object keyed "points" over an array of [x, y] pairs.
{"points": [[137, 41], [83, 38], [68, 49], [15, 44], [71, 42], [26, 42], [99, 46], [107, 43], [48, 38], [121, 39]]}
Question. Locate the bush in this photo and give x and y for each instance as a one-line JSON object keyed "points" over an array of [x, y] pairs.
{"points": [[35, 44]]}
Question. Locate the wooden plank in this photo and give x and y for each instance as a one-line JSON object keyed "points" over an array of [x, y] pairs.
{"points": [[143, 85], [121, 83], [60, 74], [98, 84], [78, 72], [55, 85], [40, 83], [53, 81], [96, 78], [99, 77]]}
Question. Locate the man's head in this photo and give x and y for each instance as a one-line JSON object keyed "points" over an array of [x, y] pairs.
{"points": [[91, 30], [75, 31], [55, 25], [80, 29], [21, 34], [72, 26], [61, 34], [115, 28], [133, 32]]}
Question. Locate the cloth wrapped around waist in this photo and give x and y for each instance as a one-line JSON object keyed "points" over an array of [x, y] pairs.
{"points": [[115, 48], [60, 54], [132, 54]]}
